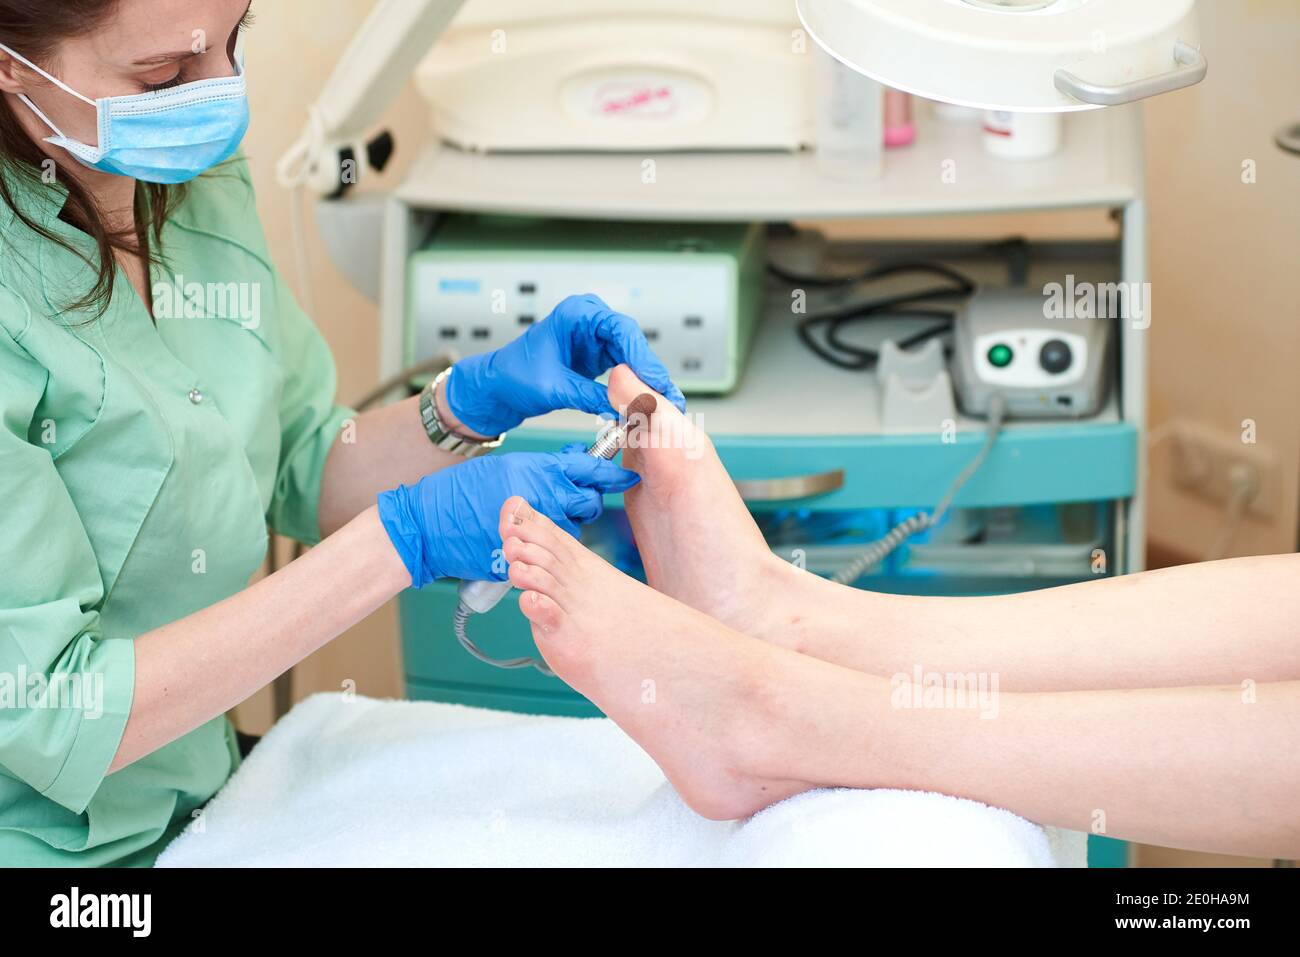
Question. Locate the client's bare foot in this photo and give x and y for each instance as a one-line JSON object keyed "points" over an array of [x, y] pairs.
{"points": [[696, 537], [690, 691]]}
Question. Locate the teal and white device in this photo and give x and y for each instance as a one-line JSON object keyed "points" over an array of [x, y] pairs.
{"points": [[695, 289]]}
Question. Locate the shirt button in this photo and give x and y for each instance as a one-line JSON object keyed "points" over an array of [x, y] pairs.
{"points": [[196, 396]]}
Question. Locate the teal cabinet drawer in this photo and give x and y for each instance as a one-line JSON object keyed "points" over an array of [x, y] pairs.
{"points": [[1030, 465], [438, 669]]}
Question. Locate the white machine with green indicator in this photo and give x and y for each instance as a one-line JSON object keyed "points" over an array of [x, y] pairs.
{"points": [[1041, 368], [695, 289]]}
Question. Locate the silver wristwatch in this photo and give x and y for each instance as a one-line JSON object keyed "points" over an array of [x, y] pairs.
{"points": [[443, 437]]}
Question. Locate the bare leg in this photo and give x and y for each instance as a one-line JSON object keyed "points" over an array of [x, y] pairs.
{"points": [[1223, 623], [1206, 768], [738, 724]]}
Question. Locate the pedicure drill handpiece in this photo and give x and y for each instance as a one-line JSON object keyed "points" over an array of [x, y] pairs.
{"points": [[482, 597]]}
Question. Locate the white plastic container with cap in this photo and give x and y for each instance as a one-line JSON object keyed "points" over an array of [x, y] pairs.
{"points": [[1023, 136]]}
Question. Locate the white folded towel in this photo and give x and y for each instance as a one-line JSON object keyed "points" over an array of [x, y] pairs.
{"points": [[350, 781]]}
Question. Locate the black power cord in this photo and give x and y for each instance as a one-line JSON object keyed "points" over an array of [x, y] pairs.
{"points": [[1015, 251], [914, 304]]}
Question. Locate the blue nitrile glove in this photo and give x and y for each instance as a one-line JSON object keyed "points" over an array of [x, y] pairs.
{"points": [[446, 526], [553, 366]]}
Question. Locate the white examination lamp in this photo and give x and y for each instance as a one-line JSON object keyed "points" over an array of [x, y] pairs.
{"points": [[1030, 56]]}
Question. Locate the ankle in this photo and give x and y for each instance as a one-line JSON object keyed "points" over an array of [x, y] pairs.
{"points": [[761, 720], [789, 605]]}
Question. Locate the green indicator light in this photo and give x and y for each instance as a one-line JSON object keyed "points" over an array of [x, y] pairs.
{"points": [[1000, 356]]}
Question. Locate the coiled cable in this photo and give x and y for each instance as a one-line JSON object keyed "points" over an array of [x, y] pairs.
{"points": [[882, 548], [459, 622]]}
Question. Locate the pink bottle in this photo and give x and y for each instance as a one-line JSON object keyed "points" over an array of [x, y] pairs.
{"points": [[900, 130]]}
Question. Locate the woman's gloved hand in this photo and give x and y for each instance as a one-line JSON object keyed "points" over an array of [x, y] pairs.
{"points": [[446, 526], [553, 366]]}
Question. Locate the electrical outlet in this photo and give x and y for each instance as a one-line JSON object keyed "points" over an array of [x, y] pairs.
{"points": [[1210, 463]]}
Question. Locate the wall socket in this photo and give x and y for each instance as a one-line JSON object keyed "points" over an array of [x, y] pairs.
{"points": [[1208, 463]]}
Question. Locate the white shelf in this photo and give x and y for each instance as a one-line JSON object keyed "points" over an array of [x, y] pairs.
{"points": [[1100, 166]]}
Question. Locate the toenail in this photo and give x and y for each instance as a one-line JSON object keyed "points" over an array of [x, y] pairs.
{"points": [[522, 512]]}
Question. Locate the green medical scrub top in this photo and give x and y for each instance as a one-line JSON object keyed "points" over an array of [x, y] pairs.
{"points": [[140, 464]]}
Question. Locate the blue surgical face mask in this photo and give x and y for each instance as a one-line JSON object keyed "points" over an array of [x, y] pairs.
{"points": [[168, 136]]}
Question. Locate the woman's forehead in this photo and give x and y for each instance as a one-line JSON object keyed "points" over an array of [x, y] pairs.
{"points": [[141, 33]]}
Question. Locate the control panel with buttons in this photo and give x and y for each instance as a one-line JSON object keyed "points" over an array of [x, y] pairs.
{"points": [[695, 289], [1004, 343]]}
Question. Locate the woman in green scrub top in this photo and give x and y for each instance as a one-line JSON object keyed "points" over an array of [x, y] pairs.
{"points": [[149, 434]]}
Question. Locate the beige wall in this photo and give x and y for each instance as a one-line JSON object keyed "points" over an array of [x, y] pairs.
{"points": [[1224, 262]]}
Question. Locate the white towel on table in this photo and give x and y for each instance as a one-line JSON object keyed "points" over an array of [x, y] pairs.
{"points": [[350, 781]]}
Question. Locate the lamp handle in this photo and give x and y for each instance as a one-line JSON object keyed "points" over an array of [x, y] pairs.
{"points": [[1192, 68]]}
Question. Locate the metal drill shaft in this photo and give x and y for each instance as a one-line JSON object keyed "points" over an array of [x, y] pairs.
{"points": [[609, 444]]}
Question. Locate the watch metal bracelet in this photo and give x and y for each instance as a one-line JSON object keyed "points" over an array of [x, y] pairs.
{"points": [[442, 437]]}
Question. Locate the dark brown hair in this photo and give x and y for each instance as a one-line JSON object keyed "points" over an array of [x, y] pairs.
{"points": [[35, 28]]}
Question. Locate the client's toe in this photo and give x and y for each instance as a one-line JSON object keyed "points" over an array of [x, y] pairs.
{"points": [[531, 553], [625, 388], [527, 577], [541, 610], [521, 521]]}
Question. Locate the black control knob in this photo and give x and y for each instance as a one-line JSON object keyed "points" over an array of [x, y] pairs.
{"points": [[1056, 356]]}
